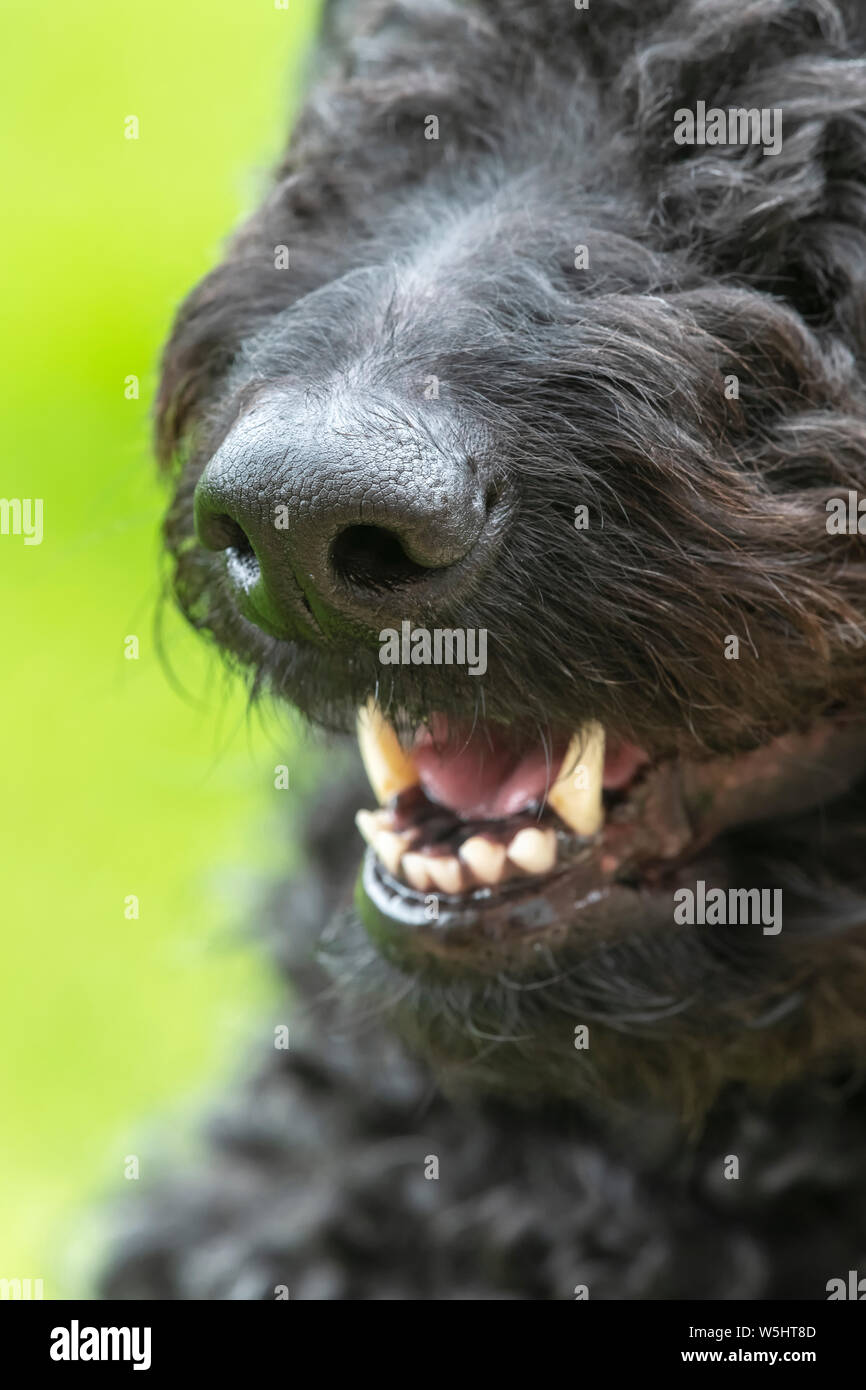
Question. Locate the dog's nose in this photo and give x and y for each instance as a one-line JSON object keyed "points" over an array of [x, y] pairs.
{"points": [[328, 515]]}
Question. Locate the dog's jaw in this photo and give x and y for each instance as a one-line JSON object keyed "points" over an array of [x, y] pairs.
{"points": [[562, 858]]}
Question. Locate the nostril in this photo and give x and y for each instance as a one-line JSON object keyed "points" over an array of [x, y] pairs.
{"points": [[232, 536], [242, 563], [217, 530], [373, 557]]}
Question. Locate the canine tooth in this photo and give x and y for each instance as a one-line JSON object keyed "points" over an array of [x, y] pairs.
{"points": [[576, 795], [533, 850], [484, 857], [388, 767], [414, 868], [446, 873]]}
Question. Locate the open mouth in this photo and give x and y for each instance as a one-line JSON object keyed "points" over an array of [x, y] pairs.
{"points": [[515, 836], [464, 811]]}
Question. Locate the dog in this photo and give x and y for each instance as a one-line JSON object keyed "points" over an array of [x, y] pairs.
{"points": [[524, 423]]}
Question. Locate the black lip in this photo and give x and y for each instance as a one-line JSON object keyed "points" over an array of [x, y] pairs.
{"points": [[483, 934], [409, 908], [517, 913]]}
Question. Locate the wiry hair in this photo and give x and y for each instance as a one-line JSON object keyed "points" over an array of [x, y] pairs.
{"points": [[604, 385], [314, 1175]]}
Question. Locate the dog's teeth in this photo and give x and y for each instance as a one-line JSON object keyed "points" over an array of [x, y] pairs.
{"points": [[388, 767], [366, 823], [485, 858], [446, 873], [415, 871], [533, 850], [576, 795], [390, 848], [370, 823], [388, 845]]}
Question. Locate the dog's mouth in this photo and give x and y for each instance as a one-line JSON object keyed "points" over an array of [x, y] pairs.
{"points": [[464, 811], [481, 835]]}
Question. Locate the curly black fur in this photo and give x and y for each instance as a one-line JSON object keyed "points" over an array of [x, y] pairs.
{"points": [[603, 386], [314, 1175]]}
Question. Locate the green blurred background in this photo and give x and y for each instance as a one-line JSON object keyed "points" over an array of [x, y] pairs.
{"points": [[113, 782]]}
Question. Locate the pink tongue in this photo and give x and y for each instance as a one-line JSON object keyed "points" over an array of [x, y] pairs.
{"points": [[480, 776]]}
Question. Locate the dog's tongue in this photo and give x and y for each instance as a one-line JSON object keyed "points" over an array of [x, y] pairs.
{"points": [[480, 775]]}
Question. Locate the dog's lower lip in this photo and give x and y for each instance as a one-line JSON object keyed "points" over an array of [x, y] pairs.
{"points": [[520, 904]]}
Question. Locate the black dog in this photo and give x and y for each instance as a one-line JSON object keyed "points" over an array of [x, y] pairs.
{"points": [[528, 416]]}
